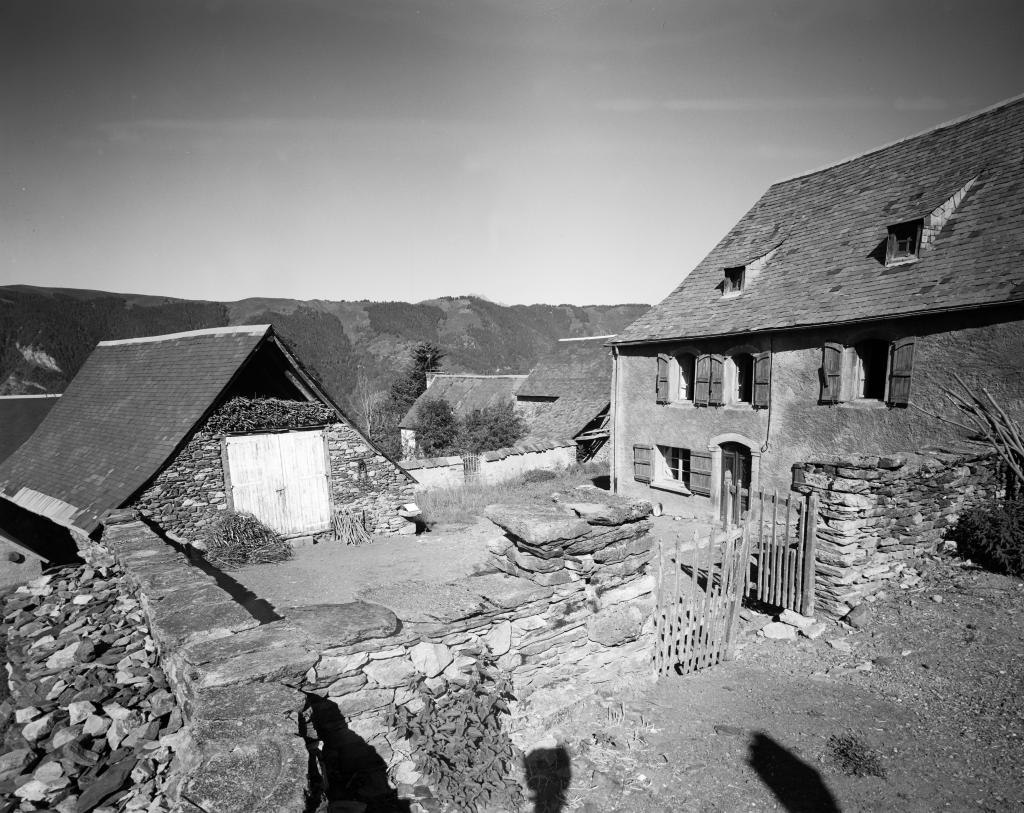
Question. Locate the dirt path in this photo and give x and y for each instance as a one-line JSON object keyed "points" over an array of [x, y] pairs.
{"points": [[330, 573], [932, 689]]}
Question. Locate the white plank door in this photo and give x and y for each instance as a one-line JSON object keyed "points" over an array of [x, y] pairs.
{"points": [[281, 479]]}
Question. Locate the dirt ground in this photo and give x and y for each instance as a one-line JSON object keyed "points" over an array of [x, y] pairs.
{"points": [[931, 689], [332, 573]]}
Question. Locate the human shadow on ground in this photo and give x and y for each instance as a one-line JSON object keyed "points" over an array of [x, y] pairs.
{"points": [[347, 767], [548, 775], [797, 786]]}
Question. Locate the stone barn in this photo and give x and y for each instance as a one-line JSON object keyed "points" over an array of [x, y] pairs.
{"points": [[187, 425]]}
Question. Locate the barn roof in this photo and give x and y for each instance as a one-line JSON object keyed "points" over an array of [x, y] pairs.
{"points": [[819, 238], [19, 417], [465, 393], [578, 373], [125, 414]]}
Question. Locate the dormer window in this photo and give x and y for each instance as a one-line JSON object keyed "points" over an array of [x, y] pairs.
{"points": [[904, 243], [734, 278]]}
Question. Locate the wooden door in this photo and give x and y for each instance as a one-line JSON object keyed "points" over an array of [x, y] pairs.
{"points": [[282, 479], [735, 461]]}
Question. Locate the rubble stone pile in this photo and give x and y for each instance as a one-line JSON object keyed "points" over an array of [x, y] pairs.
{"points": [[95, 726], [874, 513]]}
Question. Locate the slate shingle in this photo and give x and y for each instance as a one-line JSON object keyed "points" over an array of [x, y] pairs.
{"points": [[828, 223], [123, 416]]}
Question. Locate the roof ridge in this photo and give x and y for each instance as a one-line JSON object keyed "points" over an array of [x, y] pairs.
{"points": [[479, 375], [942, 126], [587, 338], [33, 395], [246, 330]]}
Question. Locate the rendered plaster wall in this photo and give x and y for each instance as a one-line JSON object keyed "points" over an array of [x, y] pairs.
{"points": [[983, 347], [494, 467], [186, 495], [876, 512]]}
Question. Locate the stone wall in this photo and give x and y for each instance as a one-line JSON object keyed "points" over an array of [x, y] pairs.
{"points": [[367, 483], [187, 494], [876, 512], [495, 466], [564, 608]]}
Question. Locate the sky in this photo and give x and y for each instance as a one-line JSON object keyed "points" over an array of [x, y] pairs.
{"points": [[558, 151]]}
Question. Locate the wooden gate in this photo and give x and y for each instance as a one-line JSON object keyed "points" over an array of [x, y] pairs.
{"points": [[470, 466], [784, 531], [700, 588], [282, 479]]}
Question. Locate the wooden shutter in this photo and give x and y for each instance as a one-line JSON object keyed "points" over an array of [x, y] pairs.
{"points": [[717, 395], [702, 380], [901, 365], [831, 372], [762, 380], [643, 464], [700, 473], [662, 381]]}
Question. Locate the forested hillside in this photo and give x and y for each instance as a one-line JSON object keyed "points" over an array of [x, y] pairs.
{"points": [[46, 334]]}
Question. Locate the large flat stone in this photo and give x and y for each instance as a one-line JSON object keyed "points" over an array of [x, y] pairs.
{"points": [[259, 775], [222, 703], [507, 592], [606, 514], [285, 663], [418, 601], [334, 625], [258, 639], [199, 623], [536, 525]]}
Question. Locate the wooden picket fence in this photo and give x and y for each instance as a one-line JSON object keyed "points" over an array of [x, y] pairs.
{"points": [[783, 545], [696, 619]]}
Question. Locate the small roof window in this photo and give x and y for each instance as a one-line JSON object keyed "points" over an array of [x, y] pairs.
{"points": [[734, 279], [904, 242]]}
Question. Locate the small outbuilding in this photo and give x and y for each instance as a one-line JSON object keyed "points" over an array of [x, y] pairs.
{"points": [[567, 396], [187, 425]]}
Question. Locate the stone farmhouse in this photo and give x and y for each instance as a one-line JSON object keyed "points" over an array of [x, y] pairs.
{"points": [[830, 318], [566, 396], [141, 426], [464, 392]]}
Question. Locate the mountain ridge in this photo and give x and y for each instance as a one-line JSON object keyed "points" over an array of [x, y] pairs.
{"points": [[47, 333]]}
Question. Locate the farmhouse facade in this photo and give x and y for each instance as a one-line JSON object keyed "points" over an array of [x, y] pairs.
{"points": [[187, 425], [832, 318]]}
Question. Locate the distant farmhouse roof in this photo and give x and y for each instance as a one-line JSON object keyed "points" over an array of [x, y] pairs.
{"points": [[578, 373], [127, 411], [817, 242], [19, 417], [465, 393]]}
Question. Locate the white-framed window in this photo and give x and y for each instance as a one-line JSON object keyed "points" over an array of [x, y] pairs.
{"points": [[742, 374], [683, 469]]}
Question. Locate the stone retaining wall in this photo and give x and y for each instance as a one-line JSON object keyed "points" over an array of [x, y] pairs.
{"points": [[876, 512], [565, 608]]}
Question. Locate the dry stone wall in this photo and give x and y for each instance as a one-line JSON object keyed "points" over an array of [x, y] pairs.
{"points": [[492, 467], [874, 513], [564, 608]]}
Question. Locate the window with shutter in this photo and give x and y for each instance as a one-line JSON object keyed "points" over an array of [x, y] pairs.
{"points": [[762, 380], [661, 388], [702, 381], [700, 473], [901, 365], [831, 373], [643, 464], [716, 396]]}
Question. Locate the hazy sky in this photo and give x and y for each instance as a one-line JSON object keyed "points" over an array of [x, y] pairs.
{"points": [[556, 151]]}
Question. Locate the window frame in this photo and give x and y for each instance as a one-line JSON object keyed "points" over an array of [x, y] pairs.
{"points": [[906, 232]]}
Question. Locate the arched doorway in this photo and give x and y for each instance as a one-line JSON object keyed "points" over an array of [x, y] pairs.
{"points": [[736, 461]]}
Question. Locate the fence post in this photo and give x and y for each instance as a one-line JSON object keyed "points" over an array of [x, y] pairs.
{"points": [[727, 500], [810, 549]]}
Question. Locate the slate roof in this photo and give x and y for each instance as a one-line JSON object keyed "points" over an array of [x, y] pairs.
{"points": [[19, 417], [123, 417], [465, 393], [829, 224], [578, 372]]}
